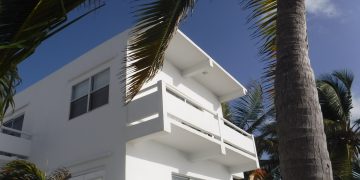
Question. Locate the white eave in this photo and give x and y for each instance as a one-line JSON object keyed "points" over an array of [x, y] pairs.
{"points": [[194, 63]]}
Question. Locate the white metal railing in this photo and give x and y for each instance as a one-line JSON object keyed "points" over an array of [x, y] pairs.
{"points": [[232, 135], [192, 102], [14, 132], [233, 126]]}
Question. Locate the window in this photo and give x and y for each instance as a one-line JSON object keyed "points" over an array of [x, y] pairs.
{"points": [[90, 94], [16, 124]]}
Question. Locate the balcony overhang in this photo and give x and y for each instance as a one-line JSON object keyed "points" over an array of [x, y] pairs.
{"points": [[170, 118], [194, 63]]}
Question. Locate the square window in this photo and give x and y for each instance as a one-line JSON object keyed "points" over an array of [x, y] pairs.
{"points": [[90, 94]]}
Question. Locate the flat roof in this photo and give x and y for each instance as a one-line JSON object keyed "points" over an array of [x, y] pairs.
{"points": [[194, 63]]}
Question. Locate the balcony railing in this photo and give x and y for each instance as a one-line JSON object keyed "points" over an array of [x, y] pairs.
{"points": [[161, 101], [14, 143], [14, 132]]}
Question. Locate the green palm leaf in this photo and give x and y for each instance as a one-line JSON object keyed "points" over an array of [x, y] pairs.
{"points": [[342, 135], [22, 170], [249, 109], [156, 23], [263, 17], [25, 170]]}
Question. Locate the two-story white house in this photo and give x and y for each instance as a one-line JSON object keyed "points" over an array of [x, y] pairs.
{"points": [[172, 130]]}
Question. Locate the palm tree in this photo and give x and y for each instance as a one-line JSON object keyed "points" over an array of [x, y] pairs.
{"points": [[25, 170], [342, 134], [252, 114], [281, 25], [24, 25]]}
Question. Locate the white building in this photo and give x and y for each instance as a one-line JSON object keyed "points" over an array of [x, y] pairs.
{"points": [[173, 129]]}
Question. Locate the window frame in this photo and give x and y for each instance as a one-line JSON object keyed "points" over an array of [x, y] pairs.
{"points": [[11, 120], [90, 81]]}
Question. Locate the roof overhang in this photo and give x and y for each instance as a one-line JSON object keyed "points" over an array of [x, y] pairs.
{"points": [[194, 63]]}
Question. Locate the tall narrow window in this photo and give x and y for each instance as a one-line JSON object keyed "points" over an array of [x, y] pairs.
{"points": [[79, 99], [16, 124], [90, 94], [99, 89]]}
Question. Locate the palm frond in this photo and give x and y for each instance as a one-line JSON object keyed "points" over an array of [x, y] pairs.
{"points": [[331, 105], [24, 26], [335, 95], [267, 116], [7, 83], [267, 142], [249, 108], [345, 76], [21, 169], [263, 18], [342, 137], [156, 23]]}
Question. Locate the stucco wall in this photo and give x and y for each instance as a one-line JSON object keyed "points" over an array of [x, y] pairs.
{"points": [[96, 140], [151, 160]]}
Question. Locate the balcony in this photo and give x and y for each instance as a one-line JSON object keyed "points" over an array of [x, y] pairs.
{"points": [[14, 144], [163, 114]]}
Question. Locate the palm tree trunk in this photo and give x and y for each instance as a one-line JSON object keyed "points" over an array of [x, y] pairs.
{"points": [[302, 143]]}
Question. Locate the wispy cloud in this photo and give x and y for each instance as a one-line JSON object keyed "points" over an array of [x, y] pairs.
{"points": [[355, 112], [321, 7]]}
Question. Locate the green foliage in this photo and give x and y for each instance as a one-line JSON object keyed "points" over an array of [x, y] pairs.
{"points": [[251, 113], [263, 16], [25, 170], [21, 169], [342, 135]]}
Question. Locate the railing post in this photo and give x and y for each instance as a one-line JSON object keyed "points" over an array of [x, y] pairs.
{"points": [[221, 125], [163, 111], [257, 160]]}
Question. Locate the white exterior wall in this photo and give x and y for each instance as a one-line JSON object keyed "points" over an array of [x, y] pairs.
{"points": [[96, 140], [188, 86], [151, 160]]}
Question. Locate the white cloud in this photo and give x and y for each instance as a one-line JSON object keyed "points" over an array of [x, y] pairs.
{"points": [[321, 7], [355, 112]]}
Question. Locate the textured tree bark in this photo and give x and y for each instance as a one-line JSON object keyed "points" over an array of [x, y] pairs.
{"points": [[302, 142]]}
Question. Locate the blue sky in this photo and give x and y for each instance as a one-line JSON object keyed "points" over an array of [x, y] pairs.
{"points": [[219, 27]]}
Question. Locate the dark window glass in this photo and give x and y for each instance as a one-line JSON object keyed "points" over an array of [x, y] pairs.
{"points": [[85, 99], [78, 107], [16, 124], [99, 97]]}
